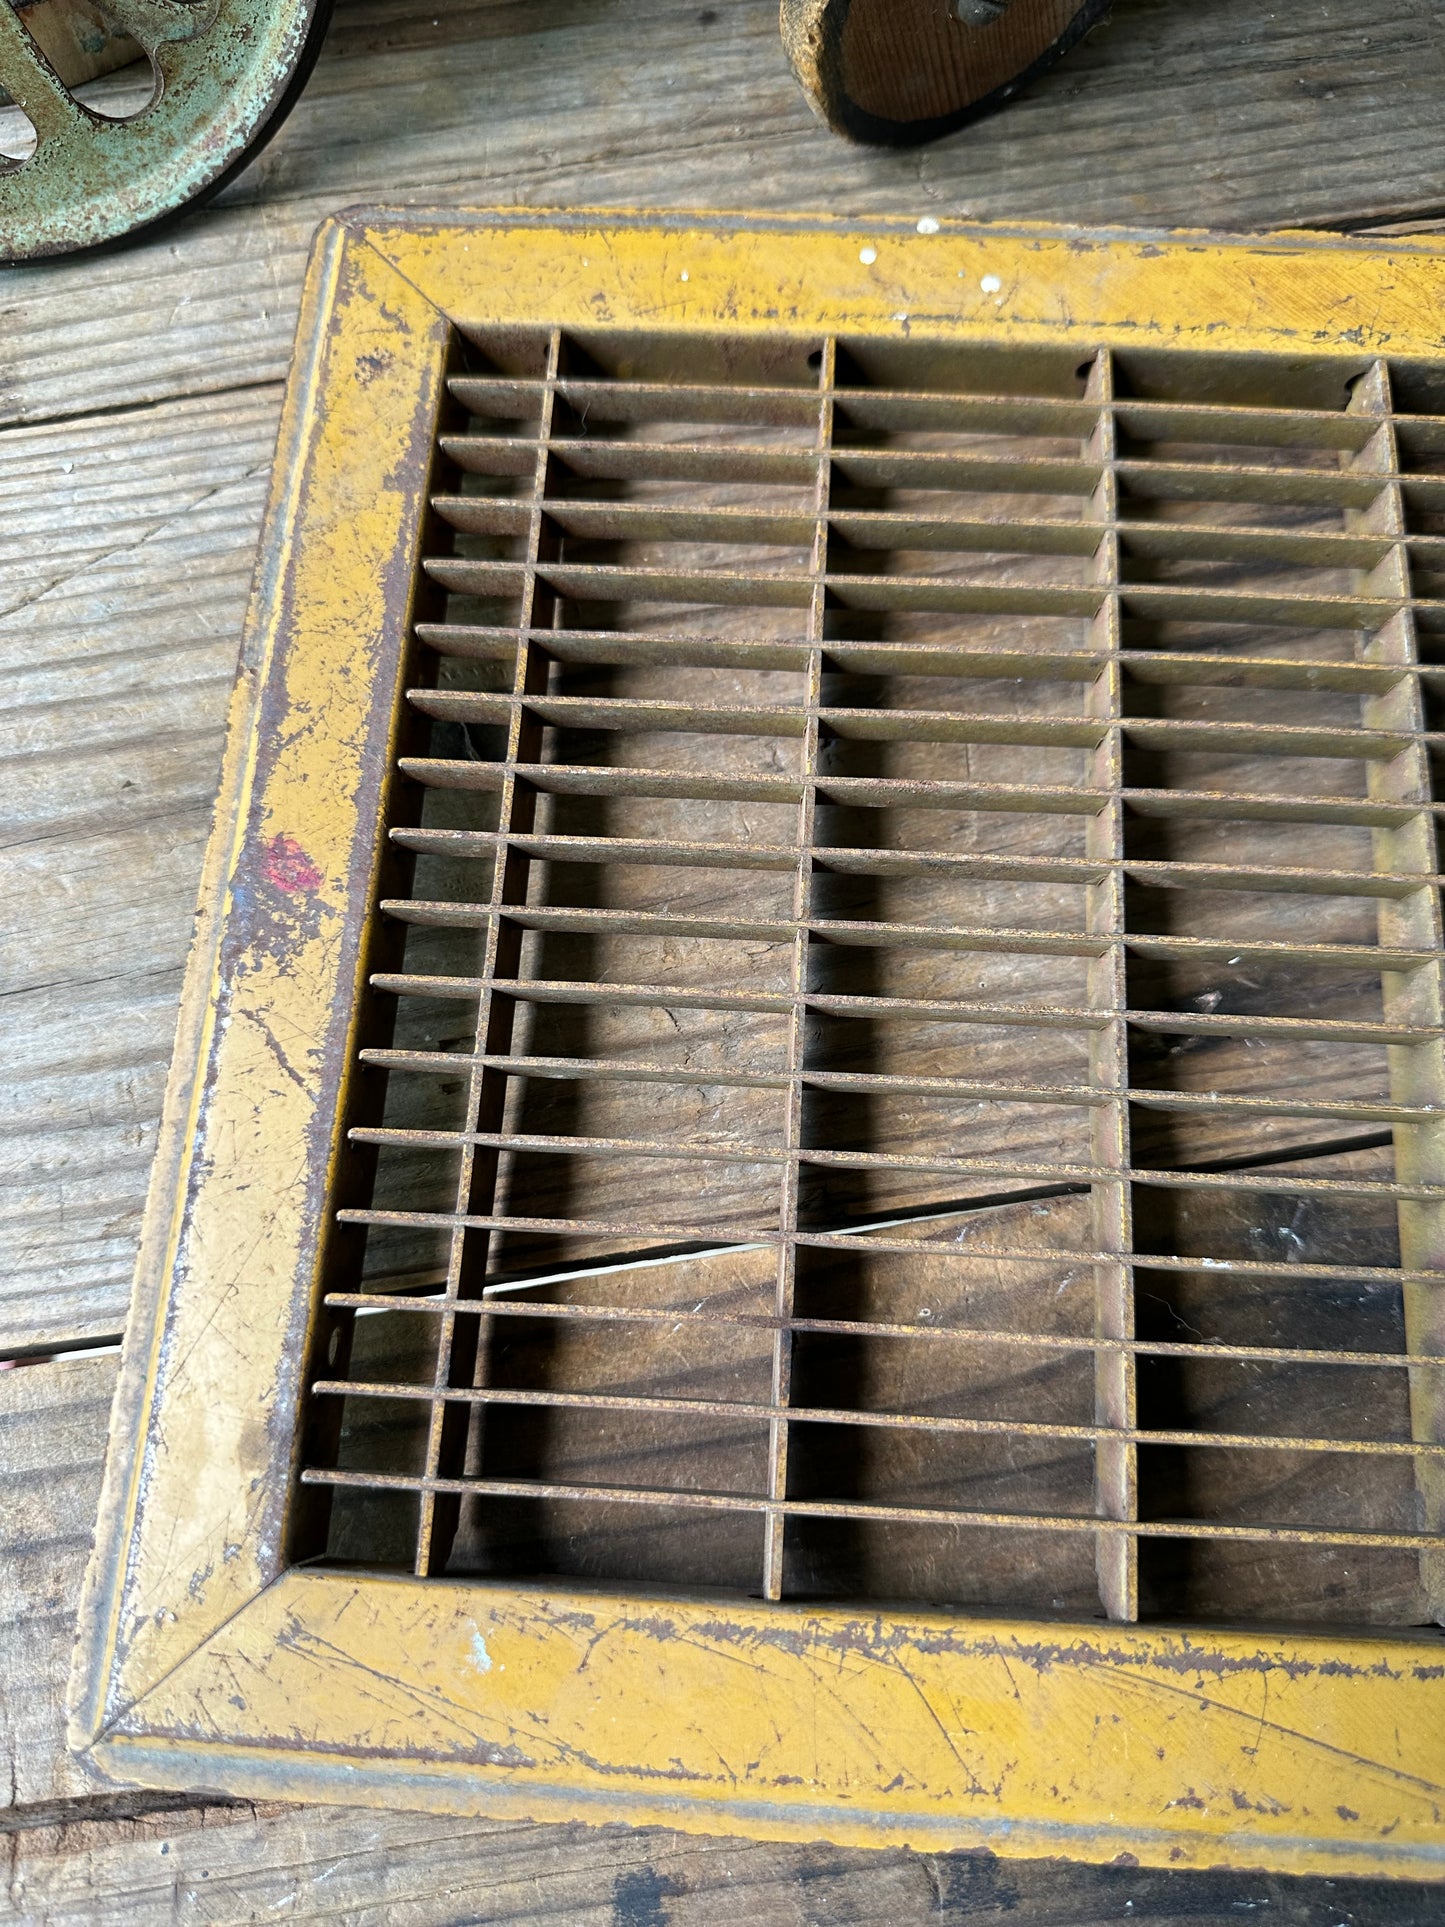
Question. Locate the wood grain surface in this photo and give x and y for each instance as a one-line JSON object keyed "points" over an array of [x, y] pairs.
{"points": [[138, 400]]}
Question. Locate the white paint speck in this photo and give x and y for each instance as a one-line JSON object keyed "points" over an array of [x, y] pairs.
{"points": [[867, 256], [478, 1658], [927, 225], [684, 276], [991, 284]]}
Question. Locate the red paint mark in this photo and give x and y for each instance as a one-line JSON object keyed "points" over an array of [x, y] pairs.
{"points": [[287, 865]]}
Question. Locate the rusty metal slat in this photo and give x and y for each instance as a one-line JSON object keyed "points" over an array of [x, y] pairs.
{"points": [[1064, 943], [924, 725], [995, 941], [1181, 666], [1185, 1023], [640, 1404], [774, 1564], [1281, 739], [1148, 665], [688, 1498], [460, 1354], [557, 848], [584, 779], [552, 990], [556, 990], [975, 659], [1247, 1268], [1161, 602], [497, 1305], [944, 592], [1310, 882], [872, 1083], [581, 779], [623, 461], [635, 521], [759, 403], [1416, 1075], [669, 853], [1215, 1103], [1115, 1391], [1228, 482], [618, 712], [1227, 1104], [1222, 541], [834, 930], [772, 406], [607, 1069], [740, 855], [487, 642], [1233, 806], [1279, 1179]]}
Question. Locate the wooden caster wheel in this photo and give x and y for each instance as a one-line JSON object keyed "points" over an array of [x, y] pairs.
{"points": [[899, 71]]}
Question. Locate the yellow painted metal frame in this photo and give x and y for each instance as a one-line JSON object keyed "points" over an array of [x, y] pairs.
{"points": [[204, 1661]]}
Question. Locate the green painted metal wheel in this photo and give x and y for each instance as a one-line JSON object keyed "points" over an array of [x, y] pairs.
{"points": [[226, 74]]}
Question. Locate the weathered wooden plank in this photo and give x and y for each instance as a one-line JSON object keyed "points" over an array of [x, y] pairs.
{"points": [[1231, 115], [407, 1870], [52, 1438], [72, 1855], [126, 562]]}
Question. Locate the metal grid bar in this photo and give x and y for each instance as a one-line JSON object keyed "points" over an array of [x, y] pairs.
{"points": [[664, 1496], [458, 1363], [801, 861], [1417, 1069], [1116, 1470], [833, 578]]}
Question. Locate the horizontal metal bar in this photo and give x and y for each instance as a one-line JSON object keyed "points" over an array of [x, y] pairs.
{"points": [[1282, 1029], [989, 941], [490, 1306], [764, 403], [1032, 1172], [881, 1084], [834, 930], [689, 1499], [857, 792], [919, 725], [1007, 472], [946, 592], [939, 657], [868, 530], [896, 861], [680, 997], [763, 462], [863, 1083], [902, 792], [646, 1404]]}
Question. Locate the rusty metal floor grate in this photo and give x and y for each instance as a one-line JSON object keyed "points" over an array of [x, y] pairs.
{"points": [[907, 1058]]}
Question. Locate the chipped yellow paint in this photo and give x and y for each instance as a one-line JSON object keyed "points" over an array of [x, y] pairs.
{"points": [[1312, 293], [269, 985], [204, 1661], [925, 1730]]}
